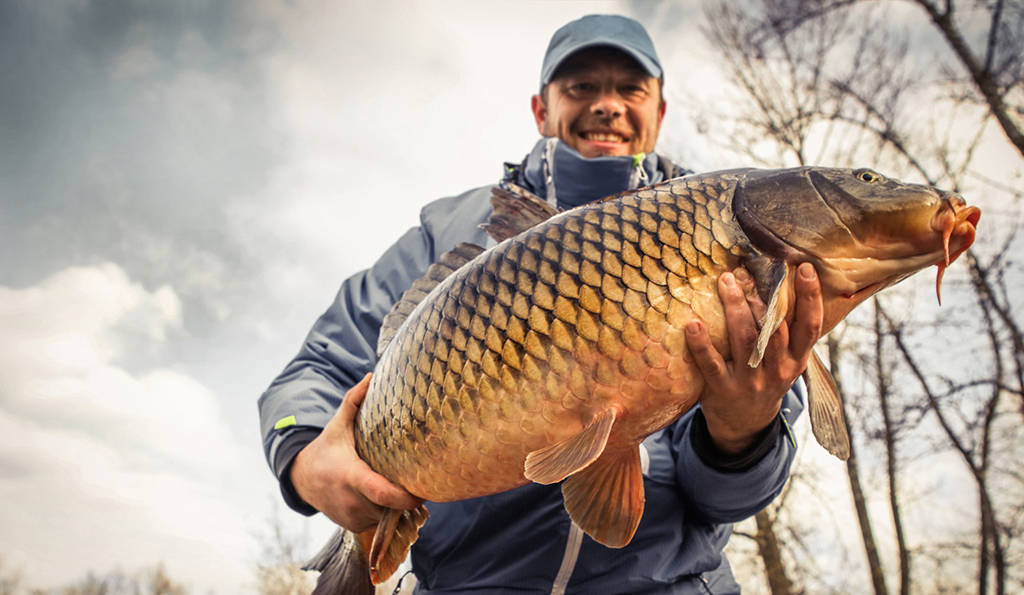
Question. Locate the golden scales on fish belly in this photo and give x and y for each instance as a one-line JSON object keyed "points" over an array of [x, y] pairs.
{"points": [[552, 355]]}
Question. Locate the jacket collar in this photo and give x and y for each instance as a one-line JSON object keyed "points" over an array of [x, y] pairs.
{"points": [[558, 173]]}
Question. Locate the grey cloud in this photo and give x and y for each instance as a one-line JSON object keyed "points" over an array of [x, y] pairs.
{"points": [[125, 126]]}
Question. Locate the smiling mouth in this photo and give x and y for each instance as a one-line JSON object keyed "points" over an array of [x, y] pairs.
{"points": [[603, 137]]}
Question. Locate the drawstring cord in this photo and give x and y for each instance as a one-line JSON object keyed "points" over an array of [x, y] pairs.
{"points": [[639, 173], [398, 587], [549, 170]]}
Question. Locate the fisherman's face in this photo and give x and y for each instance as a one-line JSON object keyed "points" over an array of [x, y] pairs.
{"points": [[601, 103]]}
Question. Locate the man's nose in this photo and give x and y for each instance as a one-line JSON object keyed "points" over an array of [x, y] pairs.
{"points": [[608, 105]]}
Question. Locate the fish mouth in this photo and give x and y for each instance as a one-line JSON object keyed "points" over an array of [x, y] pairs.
{"points": [[950, 232], [955, 221]]}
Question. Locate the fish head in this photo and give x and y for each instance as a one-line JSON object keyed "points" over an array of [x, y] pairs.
{"points": [[862, 231]]}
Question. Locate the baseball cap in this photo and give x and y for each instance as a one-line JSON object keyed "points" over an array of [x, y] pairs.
{"points": [[615, 31]]}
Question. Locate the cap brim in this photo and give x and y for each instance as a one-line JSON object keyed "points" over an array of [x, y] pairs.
{"points": [[641, 58]]}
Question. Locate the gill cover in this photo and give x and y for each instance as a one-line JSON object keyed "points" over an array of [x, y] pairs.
{"points": [[784, 213]]}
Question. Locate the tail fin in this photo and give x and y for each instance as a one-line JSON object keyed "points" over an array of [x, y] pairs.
{"points": [[343, 566], [352, 564]]}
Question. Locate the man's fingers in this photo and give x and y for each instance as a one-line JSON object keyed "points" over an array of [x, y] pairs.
{"points": [[757, 306], [350, 404], [357, 394], [354, 512], [739, 320], [704, 353], [378, 490], [375, 488], [806, 328]]}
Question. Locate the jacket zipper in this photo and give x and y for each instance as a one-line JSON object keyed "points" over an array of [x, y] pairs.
{"points": [[572, 552]]}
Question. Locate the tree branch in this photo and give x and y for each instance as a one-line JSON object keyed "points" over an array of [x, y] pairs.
{"points": [[982, 78]]}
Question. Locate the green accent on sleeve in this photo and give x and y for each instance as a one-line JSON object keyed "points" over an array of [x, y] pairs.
{"points": [[789, 432], [284, 422]]}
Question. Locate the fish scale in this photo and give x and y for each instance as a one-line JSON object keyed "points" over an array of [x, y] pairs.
{"points": [[537, 336]]}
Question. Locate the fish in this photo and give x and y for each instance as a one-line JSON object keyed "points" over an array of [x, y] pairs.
{"points": [[551, 356]]}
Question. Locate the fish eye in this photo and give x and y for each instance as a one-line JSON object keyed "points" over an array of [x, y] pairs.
{"points": [[866, 175]]}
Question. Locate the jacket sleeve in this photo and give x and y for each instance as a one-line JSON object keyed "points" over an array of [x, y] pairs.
{"points": [[339, 350], [718, 493]]}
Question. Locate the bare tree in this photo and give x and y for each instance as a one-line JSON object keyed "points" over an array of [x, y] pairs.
{"points": [[152, 581], [771, 553], [997, 74], [832, 82], [867, 534], [10, 578], [160, 583], [993, 74], [890, 437], [279, 571]]}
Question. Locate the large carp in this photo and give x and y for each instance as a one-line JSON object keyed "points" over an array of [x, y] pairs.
{"points": [[552, 355]]}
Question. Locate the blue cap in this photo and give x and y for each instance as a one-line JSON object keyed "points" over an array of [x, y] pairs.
{"points": [[595, 30]]}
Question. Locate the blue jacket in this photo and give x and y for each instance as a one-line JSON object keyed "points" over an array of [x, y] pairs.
{"points": [[522, 541]]}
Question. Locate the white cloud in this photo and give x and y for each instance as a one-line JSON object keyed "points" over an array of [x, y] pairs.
{"points": [[103, 465]]}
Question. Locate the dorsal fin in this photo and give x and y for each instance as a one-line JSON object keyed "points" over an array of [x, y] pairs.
{"points": [[439, 271], [514, 211]]}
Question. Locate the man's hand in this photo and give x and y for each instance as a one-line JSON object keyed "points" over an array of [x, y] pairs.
{"points": [[330, 476], [739, 402]]}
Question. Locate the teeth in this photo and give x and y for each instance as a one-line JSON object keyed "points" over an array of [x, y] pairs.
{"points": [[604, 137]]}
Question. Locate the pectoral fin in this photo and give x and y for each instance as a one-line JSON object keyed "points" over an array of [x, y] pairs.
{"points": [[769, 277], [606, 499], [826, 407], [555, 463]]}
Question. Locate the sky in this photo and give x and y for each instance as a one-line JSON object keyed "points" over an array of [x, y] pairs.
{"points": [[185, 185]]}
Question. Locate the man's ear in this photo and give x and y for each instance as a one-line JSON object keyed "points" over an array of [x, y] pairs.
{"points": [[540, 112]]}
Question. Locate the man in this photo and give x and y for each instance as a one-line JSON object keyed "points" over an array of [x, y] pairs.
{"points": [[600, 111]]}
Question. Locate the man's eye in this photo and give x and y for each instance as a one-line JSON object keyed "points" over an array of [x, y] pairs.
{"points": [[582, 87], [632, 90]]}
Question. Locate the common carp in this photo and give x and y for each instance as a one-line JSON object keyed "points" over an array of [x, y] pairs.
{"points": [[552, 355]]}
